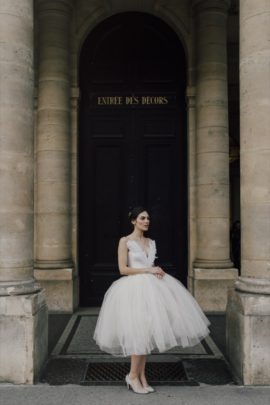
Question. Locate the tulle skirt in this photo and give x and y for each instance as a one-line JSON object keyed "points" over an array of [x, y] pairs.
{"points": [[140, 313]]}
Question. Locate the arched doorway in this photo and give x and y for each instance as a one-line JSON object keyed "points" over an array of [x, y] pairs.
{"points": [[132, 145]]}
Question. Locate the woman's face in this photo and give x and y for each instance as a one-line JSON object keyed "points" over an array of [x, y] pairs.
{"points": [[142, 221]]}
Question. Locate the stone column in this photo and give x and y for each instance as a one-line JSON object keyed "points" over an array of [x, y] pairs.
{"points": [[248, 310], [23, 311], [213, 269], [53, 264]]}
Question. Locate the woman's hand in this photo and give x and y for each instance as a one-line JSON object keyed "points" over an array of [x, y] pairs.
{"points": [[157, 271]]}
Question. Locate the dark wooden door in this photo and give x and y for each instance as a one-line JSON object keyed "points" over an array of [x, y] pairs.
{"points": [[132, 146]]}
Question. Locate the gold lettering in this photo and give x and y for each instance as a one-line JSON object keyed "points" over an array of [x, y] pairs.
{"points": [[100, 101], [110, 100], [153, 100], [116, 100], [145, 99], [132, 100]]}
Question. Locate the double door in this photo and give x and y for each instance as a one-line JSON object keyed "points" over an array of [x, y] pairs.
{"points": [[132, 149]]}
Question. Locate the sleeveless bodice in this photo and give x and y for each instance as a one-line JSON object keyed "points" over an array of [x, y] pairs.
{"points": [[137, 257]]}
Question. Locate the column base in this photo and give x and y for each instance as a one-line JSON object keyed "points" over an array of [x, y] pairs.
{"points": [[253, 285], [21, 287], [248, 336], [210, 287], [61, 288], [53, 264], [23, 337], [213, 264]]}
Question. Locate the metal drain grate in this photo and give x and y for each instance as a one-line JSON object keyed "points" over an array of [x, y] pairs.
{"points": [[212, 372], [101, 373]]}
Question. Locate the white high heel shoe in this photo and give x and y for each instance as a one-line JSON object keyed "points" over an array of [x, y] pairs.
{"points": [[136, 390], [149, 388]]}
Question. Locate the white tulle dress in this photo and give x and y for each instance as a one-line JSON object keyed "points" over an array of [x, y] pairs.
{"points": [[141, 312]]}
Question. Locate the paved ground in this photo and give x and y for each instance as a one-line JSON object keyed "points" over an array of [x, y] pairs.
{"points": [[43, 394], [76, 359], [57, 324], [78, 395]]}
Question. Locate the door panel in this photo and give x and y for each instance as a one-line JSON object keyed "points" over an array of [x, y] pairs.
{"points": [[132, 146]]}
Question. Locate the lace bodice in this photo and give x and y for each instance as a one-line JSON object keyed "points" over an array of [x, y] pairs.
{"points": [[137, 257]]}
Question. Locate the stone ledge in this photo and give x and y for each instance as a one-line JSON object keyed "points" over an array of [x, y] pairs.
{"points": [[210, 287], [247, 336], [54, 274], [248, 303], [23, 337], [22, 305], [62, 294]]}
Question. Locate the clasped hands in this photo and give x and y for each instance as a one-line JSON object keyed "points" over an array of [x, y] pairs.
{"points": [[157, 271]]}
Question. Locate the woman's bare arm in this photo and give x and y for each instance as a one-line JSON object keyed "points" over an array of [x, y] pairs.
{"points": [[122, 262]]}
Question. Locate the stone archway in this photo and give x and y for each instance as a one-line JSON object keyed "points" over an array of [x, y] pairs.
{"points": [[132, 138], [88, 16]]}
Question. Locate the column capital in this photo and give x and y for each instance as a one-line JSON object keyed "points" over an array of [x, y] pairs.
{"points": [[54, 5], [206, 5]]}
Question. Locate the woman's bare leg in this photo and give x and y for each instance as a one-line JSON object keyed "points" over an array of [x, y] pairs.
{"points": [[142, 371], [135, 369]]}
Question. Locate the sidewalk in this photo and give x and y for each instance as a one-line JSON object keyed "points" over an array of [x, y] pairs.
{"points": [[78, 395]]}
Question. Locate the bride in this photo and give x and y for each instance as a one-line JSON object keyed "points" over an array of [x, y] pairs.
{"points": [[147, 309]]}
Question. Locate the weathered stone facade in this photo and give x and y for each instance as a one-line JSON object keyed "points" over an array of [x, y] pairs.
{"points": [[248, 310], [38, 208]]}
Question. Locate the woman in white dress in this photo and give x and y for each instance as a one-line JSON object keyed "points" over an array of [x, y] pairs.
{"points": [[147, 309]]}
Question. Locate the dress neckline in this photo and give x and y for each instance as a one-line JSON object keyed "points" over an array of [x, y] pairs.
{"points": [[144, 251]]}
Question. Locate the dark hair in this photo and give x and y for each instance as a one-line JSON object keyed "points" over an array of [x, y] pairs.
{"points": [[134, 212]]}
